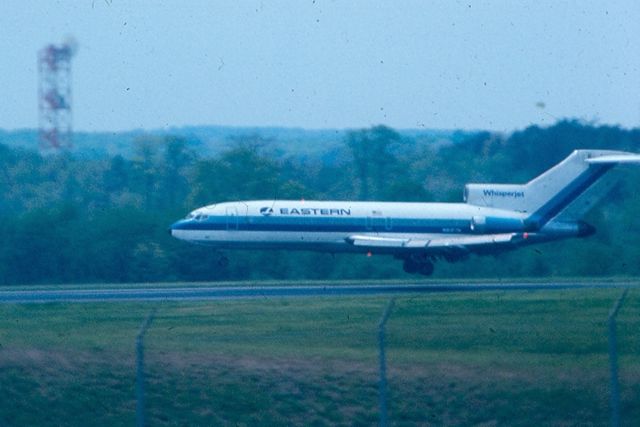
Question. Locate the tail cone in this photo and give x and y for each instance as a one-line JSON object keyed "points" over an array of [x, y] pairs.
{"points": [[585, 230]]}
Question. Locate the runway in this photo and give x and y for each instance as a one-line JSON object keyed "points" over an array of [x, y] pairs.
{"points": [[202, 293]]}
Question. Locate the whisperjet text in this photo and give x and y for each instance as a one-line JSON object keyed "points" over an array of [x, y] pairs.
{"points": [[498, 193]]}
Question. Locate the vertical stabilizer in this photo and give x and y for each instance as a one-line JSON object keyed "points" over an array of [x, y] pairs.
{"points": [[544, 197]]}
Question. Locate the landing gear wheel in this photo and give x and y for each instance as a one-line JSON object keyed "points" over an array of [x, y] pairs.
{"points": [[421, 265], [410, 266], [223, 261], [426, 268]]}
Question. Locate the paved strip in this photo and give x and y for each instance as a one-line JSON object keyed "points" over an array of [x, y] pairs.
{"points": [[223, 293]]}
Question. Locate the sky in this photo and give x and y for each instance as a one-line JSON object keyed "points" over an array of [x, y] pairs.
{"points": [[495, 65]]}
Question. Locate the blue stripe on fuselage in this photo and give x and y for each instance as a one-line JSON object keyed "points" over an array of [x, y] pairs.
{"points": [[258, 223]]}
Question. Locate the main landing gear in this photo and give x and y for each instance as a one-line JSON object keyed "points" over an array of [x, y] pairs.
{"points": [[420, 264], [223, 261]]}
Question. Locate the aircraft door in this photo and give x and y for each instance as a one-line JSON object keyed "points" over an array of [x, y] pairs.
{"points": [[378, 224], [232, 218], [478, 224]]}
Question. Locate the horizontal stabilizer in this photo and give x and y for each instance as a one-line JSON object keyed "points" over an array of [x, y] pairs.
{"points": [[618, 158]]}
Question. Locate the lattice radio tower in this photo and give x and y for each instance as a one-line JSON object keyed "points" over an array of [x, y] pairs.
{"points": [[54, 96]]}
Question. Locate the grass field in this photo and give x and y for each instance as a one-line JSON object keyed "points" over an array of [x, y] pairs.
{"points": [[492, 358]]}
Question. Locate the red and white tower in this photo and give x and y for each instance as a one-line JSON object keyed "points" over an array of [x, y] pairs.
{"points": [[54, 96]]}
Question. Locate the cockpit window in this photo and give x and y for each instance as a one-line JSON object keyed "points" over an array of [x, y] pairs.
{"points": [[197, 216]]}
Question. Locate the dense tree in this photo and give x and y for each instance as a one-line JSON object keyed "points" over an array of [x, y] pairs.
{"points": [[239, 174], [67, 219], [372, 158]]}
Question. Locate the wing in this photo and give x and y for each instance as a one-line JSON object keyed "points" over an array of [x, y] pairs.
{"points": [[466, 244]]}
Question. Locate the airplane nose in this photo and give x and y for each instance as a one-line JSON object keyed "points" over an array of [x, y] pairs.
{"points": [[173, 227], [176, 228]]}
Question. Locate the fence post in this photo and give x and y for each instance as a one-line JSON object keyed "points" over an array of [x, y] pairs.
{"points": [[140, 369], [383, 364], [613, 361]]}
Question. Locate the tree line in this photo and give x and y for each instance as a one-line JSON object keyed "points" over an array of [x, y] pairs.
{"points": [[69, 219]]}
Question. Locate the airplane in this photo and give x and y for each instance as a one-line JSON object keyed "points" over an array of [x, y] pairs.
{"points": [[493, 218]]}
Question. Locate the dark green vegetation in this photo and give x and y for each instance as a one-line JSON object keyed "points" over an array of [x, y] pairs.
{"points": [[78, 218], [495, 358]]}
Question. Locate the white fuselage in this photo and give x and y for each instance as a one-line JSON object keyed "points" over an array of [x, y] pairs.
{"points": [[328, 225]]}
